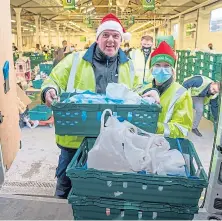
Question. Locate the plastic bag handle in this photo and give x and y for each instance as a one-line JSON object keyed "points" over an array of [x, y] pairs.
{"points": [[103, 118]]}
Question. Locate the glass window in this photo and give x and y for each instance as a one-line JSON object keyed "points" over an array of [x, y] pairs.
{"points": [[216, 20]]}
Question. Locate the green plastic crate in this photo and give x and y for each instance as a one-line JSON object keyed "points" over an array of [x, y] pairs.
{"points": [[134, 186], [40, 112], [84, 119], [27, 54], [86, 208], [36, 60], [37, 83], [217, 67], [46, 68]]}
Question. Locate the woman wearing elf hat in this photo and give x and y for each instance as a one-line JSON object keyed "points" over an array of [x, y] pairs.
{"points": [[104, 62], [176, 117]]}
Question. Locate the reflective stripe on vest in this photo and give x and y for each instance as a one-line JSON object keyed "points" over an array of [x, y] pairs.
{"points": [[169, 114], [182, 129], [177, 95], [166, 130], [72, 75], [132, 71]]}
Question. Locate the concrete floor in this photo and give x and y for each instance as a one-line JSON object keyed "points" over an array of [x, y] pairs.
{"points": [[33, 170], [33, 208], [204, 144], [33, 174]]}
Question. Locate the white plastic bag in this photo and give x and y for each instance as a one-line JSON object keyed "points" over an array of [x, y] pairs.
{"points": [[120, 148], [122, 92], [171, 162], [116, 91], [108, 152]]}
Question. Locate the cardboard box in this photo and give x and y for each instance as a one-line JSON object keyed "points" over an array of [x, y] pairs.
{"points": [[23, 100]]}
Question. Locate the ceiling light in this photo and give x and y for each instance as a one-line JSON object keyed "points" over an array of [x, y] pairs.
{"points": [[13, 21]]}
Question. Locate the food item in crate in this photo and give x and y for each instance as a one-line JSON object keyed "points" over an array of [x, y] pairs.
{"points": [[115, 94], [121, 147]]}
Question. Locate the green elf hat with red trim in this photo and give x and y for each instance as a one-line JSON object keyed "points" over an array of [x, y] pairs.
{"points": [[163, 53]]}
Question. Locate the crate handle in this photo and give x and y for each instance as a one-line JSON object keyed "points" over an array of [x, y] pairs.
{"points": [[199, 165], [102, 126], [181, 151]]}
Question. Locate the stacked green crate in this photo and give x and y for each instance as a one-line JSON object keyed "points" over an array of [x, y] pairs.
{"points": [[183, 67], [36, 60], [200, 63], [105, 195]]}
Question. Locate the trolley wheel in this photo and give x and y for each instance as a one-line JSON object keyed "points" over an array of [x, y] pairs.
{"points": [[213, 217]]}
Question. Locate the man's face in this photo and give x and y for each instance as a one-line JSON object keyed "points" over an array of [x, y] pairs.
{"points": [[109, 42], [214, 88], [146, 44]]}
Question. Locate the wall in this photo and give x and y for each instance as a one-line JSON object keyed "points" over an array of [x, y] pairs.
{"points": [[204, 36], [9, 129]]}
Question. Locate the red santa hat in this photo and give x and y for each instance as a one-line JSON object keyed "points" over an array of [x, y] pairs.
{"points": [[111, 22], [164, 53]]}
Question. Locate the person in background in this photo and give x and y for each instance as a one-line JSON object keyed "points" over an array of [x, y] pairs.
{"points": [[66, 48], [203, 91], [210, 46], [76, 49], [140, 58], [104, 62], [72, 48], [37, 49], [14, 48], [58, 56], [127, 49], [64, 45], [45, 49], [176, 118]]}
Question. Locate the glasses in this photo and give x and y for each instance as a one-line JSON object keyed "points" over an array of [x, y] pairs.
{"points": [[107, 35]]}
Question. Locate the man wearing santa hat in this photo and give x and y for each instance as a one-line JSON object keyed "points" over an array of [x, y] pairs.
{"points": [[104, 62]]}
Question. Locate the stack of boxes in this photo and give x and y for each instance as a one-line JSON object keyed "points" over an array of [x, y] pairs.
{"points": [[199, 63], [106, 195]]}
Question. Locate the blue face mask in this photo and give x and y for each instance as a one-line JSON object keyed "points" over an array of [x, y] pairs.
{"points": [[162, 74]]}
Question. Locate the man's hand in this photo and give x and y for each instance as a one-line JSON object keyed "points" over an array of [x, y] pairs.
{"points": [[154, 94], [50, 96]]}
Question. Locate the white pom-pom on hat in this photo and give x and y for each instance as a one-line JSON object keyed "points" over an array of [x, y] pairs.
{"points": [[126, 36]]}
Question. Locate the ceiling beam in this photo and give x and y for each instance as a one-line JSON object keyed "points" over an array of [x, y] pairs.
{"points": [[99, 19], [176, 11], [106, 6], [48, 6], [19, 6], [195, 2]]}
